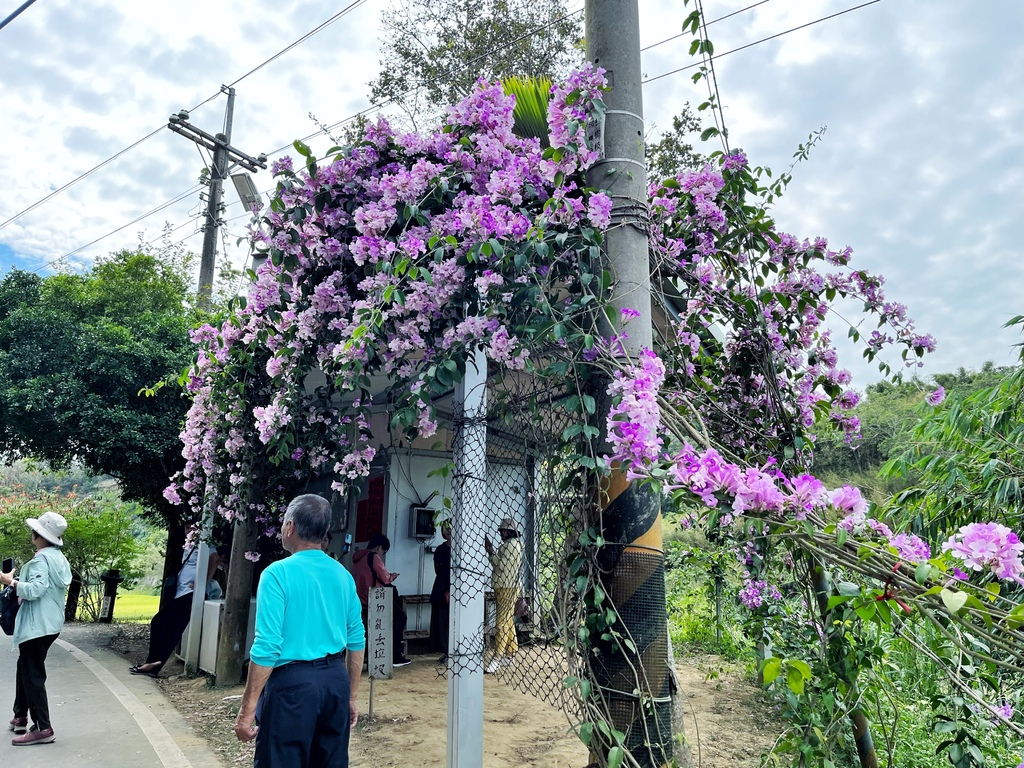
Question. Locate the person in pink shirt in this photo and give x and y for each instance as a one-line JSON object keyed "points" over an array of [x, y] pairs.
{"points": [[369, 571]]}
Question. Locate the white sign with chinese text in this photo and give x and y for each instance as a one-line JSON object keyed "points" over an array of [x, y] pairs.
{"points": [[379, 633]]}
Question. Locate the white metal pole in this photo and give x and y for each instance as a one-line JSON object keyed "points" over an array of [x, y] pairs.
{"points": [[465, 632]]}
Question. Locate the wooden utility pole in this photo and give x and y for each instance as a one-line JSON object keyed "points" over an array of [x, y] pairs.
{"points": [[223, 155], [634, 683], [237, 596]]}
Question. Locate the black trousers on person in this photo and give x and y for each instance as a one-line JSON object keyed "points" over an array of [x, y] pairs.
{"points": [[440, 615], [166, 627], [30, 687], [303, 716]]}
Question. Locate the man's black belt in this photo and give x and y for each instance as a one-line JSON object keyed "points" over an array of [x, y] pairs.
{"points": [[321, 660]]}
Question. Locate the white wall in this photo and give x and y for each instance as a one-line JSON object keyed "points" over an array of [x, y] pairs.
{"points": [[408, 484]]}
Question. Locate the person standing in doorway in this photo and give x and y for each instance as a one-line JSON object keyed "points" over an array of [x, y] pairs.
{"points": [[41, 588], [441, 594], [300, 695], [506, 580]]}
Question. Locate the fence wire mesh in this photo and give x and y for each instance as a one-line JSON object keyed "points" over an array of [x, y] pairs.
{"points": [[531, 613]]}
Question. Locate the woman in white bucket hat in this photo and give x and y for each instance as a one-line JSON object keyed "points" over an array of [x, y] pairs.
{"points": [[41, 588]]}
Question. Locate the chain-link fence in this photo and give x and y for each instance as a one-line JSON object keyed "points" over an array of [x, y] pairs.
{"points": [[512, 544]]}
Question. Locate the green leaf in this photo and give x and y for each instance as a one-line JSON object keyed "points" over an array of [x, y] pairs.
{"points": [[866, 611], [795, 680], [848, 589], [586, 733], [615, 757], [923, 573], [802, 667], [772, 668], [953, 601]]}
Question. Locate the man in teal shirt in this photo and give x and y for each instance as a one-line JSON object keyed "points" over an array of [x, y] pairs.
{"points": [[300, 696]]}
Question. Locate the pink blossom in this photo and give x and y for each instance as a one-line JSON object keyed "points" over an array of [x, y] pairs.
{"points": [[988, 546], [849, 499], [634, 421], [936, 397], [911, 548], [599, 210]]}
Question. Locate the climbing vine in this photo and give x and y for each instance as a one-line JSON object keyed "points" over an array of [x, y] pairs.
{"points": [[386, 263]]}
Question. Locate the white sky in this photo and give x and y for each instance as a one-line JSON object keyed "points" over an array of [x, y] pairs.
{"points": [[921, 170]]}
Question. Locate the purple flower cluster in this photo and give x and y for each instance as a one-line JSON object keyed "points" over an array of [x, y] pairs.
{"points": [[756, 591], [988, 547], [634, 421]]}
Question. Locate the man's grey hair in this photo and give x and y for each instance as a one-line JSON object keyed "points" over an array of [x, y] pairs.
{"points": [[311, 515]]}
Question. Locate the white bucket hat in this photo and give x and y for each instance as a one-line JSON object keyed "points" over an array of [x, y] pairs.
{"points": [[50, 526], [508, 524]]}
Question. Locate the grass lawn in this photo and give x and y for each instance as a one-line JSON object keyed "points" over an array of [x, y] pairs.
{"points": [[135, 608]]}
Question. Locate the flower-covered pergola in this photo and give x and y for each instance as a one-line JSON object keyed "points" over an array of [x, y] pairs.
{"points": [[394, 259]]}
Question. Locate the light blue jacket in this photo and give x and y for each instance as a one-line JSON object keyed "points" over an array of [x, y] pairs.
{"points": [[42, 584]]}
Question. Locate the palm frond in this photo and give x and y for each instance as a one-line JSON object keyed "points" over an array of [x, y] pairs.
{"points": [[531, 113]]}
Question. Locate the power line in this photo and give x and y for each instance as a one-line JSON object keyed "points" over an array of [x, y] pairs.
{"points": [[74, 181], [16, 13], [708, 24], [352, 6], [159, 208], [334, 18], [763, 40]]}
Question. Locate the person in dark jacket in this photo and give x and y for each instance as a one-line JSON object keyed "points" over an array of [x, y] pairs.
{"points": [[168, 625], [440, 595]]}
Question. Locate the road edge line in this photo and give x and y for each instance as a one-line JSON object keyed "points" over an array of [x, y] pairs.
{"points": [[163, 743]]}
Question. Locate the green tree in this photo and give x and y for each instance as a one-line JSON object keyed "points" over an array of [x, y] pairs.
{"points": [[100, 535], [75, 351], [433, 51], [889, 415], [674, 151]]}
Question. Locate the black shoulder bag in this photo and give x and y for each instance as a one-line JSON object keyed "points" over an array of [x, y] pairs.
{"points": [[8, 609]]}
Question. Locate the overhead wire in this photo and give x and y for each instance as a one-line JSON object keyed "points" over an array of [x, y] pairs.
{"points": [[352, 6], [707, 24], [762, 40], [355, 116]]}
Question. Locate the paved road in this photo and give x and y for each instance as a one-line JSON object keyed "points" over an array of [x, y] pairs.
{"points": [[103, 716]]}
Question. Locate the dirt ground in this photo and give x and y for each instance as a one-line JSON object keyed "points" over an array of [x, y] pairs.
{"points": [[726, 721]]}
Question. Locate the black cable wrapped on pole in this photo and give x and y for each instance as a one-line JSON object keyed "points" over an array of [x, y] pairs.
{"points": [[634, 679]]}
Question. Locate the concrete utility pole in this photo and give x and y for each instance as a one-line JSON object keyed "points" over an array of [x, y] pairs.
{"points": [[231, 644], [465, 659], [636, 685], [223, 154]]}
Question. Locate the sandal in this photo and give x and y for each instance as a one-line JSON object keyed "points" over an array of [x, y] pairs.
{"points": [[138, 670]]}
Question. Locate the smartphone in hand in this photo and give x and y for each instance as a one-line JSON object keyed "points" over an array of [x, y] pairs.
{"points": [[8, 565]]}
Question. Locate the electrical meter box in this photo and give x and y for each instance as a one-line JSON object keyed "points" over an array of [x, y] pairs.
{"points": [[421, 522]]}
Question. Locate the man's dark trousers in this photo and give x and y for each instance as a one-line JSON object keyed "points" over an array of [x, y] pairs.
{"points": [[303, 716]]}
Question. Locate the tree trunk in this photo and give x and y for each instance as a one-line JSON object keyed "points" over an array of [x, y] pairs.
{"points": [[74, 595], [231, 645], [172, 560], [861, 725]]}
